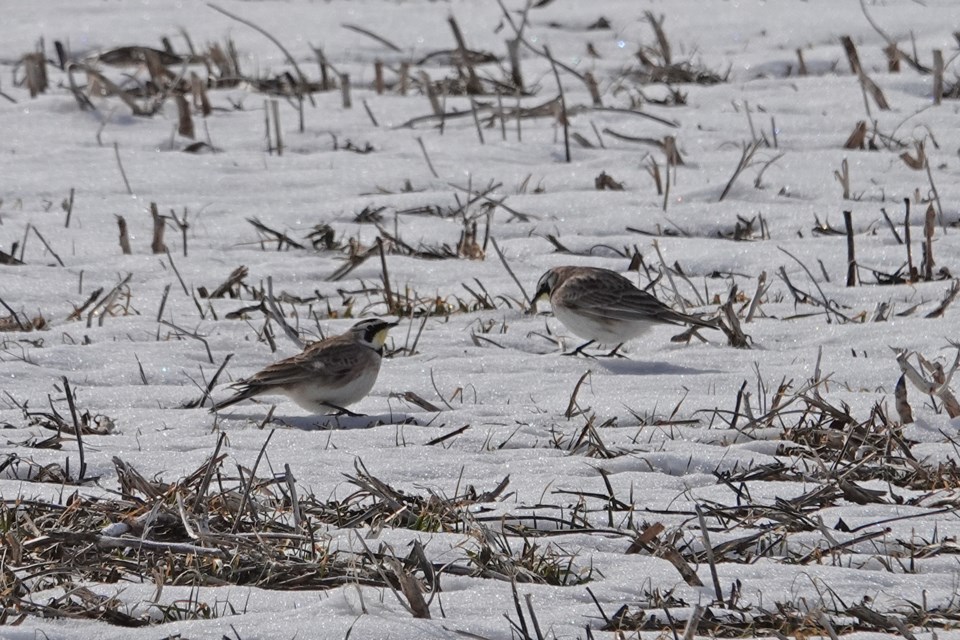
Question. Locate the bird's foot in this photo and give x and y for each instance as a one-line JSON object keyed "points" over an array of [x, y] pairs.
{"points": [[615, 353], [343, 411], [579, 350]]}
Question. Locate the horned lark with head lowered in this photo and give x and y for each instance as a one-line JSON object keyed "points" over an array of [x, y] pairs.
{"points": [[327, 375], [600, 305]]}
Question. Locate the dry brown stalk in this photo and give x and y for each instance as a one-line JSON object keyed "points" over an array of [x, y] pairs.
{"points": [[851, 257], [157, 245], [184, 118], [893, 57], [593, 89], [78, 311], [757, 297], [891, 226], [231, 286], [123, 174], [471, 81], [345, 98], [563, 117], [199, 91], [403, 84], [378, 83], [868, 86], [948, 298], [929, 225], [606, 181], [937, 76], [43, 240], [939, 384], [746, 157], [843, 177], [282, 239], [124, 235], [68, 207], [801, 64], [35, 72], [654, 170], [293, 63], [278, 138], [506, 266], [919, 162], [857, 139], [374, 36], [910, 60], [902, 404], [572, 407]]}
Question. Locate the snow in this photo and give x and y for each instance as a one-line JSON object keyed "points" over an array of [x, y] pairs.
{"points": [[665, 407]]}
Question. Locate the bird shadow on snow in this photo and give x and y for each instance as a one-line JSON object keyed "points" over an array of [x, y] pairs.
{"points": [[330, 422], [621, 366]]}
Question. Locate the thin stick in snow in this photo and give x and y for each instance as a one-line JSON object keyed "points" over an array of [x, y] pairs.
{"points": [[124, 235], [123, 174], [426, 157], [46, 244], [746, 155], [564, 120], [293, 63], [275, 111], [76, 427], [157, 245], [513, 276], [851, 257], [68, 207]]}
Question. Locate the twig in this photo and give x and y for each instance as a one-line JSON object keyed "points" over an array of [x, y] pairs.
{"points": [[746, 155], [290, 59], [666, 270], [195, 336], [374, 36], [45, 244], [69, 208], [249, 485], [826, 302], [116, 152], [14, 315], [851, 257], [506, 266], [199, 402], [690, 631], [173, 265], [211, 465], [387, 294], [708, 550], [106, 301], [569, 413], [277, 316], [76, 427], [564, 120], [426, 157]]}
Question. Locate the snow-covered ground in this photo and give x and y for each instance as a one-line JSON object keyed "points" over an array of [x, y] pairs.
{"points": [[648, 439]]}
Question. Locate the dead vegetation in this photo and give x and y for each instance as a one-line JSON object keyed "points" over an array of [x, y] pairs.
{"points": [[217, 527], [244, 526], [238, 524]]}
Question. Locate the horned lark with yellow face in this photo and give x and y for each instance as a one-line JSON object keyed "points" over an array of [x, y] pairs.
{"points": [[600, 305], [327, 375]]}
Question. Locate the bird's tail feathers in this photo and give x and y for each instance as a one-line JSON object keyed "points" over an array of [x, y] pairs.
{"points": [[244, 392]]}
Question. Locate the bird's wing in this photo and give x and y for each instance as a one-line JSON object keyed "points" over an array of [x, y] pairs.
{"points": [[618, 299], [328, 362]]}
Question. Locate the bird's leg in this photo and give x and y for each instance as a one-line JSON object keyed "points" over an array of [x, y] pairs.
{"points": [[579, 350], [343, 411], [614, 353]]}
